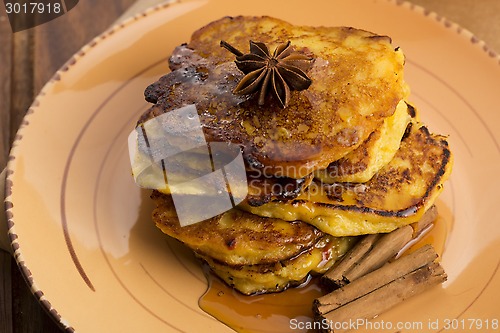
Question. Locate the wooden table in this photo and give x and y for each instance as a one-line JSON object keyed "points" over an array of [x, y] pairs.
{"points": [[29, 58]]}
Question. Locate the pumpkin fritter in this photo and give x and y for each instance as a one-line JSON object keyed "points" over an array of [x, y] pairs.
{"points": [[278, 276], [237, 237], [399, 194], [357, 82]]}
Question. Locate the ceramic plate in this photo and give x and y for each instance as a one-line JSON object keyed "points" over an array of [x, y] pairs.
{"points": [[81, 229]]}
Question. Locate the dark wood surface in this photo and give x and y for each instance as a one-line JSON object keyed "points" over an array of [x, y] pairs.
{"points": [[29, 58]]}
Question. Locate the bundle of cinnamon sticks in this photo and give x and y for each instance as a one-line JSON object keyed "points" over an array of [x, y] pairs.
{"points": [[367, 284]]}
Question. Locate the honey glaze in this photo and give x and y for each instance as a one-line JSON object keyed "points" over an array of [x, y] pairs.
{"points": [[286, 311], [290, 310]]}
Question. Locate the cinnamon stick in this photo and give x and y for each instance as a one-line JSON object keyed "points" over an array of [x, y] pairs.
{"points": [[375, 280], [336, 274], [385, 297], [386, 248], [373, 251]]}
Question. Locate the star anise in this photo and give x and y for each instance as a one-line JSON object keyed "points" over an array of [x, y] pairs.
{"points": [[283, 71]]}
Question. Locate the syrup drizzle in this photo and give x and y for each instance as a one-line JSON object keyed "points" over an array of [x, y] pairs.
{"points": [[273, 313], [290, 310]]}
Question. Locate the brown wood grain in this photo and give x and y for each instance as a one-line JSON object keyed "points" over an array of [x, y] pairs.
{"points": [[5, 67], [21, 90], [5, 293]]}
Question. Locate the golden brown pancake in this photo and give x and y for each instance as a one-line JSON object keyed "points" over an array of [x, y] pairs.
{"points": [[357, 82], [277, 276], [399, 194], [237, 237]]}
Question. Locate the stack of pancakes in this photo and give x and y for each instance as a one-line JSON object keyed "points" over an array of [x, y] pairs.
{"points": [[346, 157]]}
